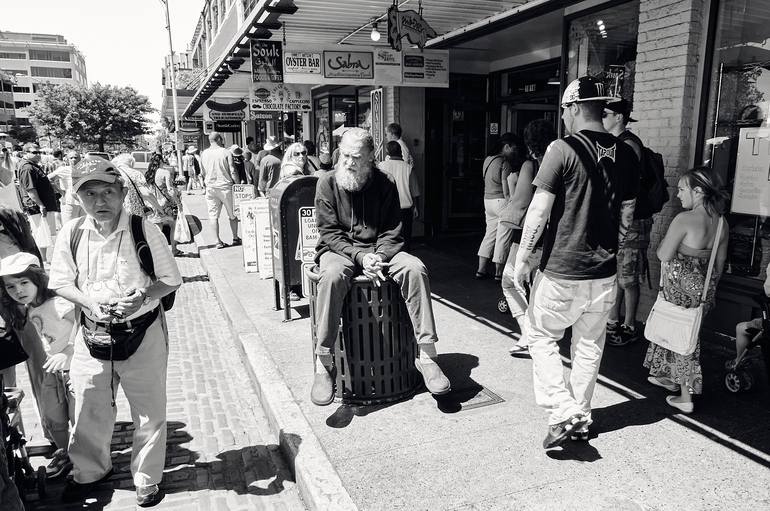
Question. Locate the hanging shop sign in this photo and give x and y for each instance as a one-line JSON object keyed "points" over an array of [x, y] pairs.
{"points": [[266, 61], [227, 126], [221, 111], [378, 125], [751, 191], [424, 68], [358, 65], [409, 24], [368, 65], [303, 62], [256, 115], [280, 97], [387, 66]]}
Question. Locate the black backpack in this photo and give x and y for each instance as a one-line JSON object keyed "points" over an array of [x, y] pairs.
{"points": [[143, 252], [653, 189]]}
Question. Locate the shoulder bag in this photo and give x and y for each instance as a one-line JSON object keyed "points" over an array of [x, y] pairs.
{"points": [[676, 328]]}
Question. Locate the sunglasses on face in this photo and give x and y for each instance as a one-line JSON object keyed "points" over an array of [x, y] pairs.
{"points": [[34, 152], [301, 153]]}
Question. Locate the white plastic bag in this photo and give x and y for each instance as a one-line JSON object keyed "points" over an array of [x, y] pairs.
{"points": [[182, 230], [42, 233]]}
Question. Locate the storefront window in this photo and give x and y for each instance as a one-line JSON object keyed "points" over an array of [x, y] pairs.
{"points": [[364, 108], [322, 131], [736, 133], [603, 44]]}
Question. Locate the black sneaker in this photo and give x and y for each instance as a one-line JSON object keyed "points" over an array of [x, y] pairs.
{"points": [[626, 335], [558, 433], [60, 465], [78, 492], [236, 242]]}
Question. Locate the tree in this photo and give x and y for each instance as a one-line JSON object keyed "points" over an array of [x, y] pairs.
{"points": [[95, 115], [23, 134]]}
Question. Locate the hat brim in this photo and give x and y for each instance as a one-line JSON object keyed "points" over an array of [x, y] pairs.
{"points": [[631, 119], [102, 178], [269, 147], [607, 99]]}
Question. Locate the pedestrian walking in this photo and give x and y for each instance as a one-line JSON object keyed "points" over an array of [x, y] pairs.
{"points": [[252, 172], [193, 165], [357, 212], [586, 191], [169, 203], [140, 200], [218, 178], [684, 254], [25, 295], [538, 135], [270, 166], [238, 166], [62, 176], [393, 132], [312, 160], [38, 199], [407, 185], [497, 239], [122, 338]]}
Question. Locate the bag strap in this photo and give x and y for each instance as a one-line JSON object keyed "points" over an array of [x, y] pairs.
{"points": [[75, 237], [484, 174], [138, 193], [713, 257], [143, 251]]}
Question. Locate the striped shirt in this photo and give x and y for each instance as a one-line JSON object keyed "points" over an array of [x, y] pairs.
{"points": [[104, 258]]}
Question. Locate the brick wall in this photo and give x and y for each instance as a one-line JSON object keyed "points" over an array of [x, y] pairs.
{"points": [[665, 99]]}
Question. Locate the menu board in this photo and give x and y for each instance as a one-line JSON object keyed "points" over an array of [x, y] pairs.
{"points": [[751, 191]]}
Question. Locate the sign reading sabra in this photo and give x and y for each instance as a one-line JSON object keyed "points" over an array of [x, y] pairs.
{"points": [[409, 24]]}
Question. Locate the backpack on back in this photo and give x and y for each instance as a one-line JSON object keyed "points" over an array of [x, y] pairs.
{"points": [[143, 252], [653, 189]]}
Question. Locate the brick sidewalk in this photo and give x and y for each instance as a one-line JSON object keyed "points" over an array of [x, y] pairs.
{"points": [[219, 454]]}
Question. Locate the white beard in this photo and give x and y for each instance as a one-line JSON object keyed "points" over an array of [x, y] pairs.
{"points": [[351, 181]]}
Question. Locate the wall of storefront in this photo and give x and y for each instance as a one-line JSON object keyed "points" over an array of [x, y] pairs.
{"points": [[670, 56]]}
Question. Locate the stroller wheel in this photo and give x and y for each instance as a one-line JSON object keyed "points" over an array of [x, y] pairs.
{"points": [[733, 382], [502, 306], [747, 381]]}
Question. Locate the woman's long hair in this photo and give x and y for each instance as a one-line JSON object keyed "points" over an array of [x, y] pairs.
{"points": [[288, 167], [13, 311], [714, 196]]}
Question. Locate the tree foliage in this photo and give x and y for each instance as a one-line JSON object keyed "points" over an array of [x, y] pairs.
{"points": [[95, 115]]}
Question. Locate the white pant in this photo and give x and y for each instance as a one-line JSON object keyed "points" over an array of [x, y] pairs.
{"points": [[143, 377], [556, 305], [497, 237]]}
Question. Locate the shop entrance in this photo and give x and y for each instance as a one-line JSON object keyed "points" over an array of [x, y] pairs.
{"points": [[526, 94]]}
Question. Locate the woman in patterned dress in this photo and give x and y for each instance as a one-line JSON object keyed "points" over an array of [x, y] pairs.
{"points": [[684, 254]]}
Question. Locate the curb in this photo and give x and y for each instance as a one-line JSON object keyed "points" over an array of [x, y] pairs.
{"points": [[319, 484]]}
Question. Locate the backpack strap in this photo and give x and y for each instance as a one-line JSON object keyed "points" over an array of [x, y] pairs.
{"points": [[143, 251], [75, 236], [484, 174]]}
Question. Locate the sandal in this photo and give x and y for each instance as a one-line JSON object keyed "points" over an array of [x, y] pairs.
{"points": [[481, 275], [220, 245], [519, 351], [177, 253], [498, 278]]}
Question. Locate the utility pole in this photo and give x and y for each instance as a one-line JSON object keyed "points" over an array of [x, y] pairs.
{"points": [[173, 93]]}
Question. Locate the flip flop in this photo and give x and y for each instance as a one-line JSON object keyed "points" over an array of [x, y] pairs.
{"points": [[481, 275]]}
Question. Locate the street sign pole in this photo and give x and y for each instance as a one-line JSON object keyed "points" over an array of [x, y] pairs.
{"points": [[173, 92]]}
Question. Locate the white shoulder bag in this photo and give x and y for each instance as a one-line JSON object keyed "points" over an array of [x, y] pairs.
{"points": [[676, 328]]}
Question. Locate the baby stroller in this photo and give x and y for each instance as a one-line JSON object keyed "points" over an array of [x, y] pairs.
{"points": [[740, 378]]}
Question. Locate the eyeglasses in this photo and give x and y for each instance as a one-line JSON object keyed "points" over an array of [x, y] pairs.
{"points": [[301, 153], [34, 152]]}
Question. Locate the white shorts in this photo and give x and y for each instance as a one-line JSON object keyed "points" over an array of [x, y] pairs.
{"points": [[218, 197]]}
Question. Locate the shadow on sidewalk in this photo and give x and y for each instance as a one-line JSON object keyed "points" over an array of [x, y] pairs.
{"points": [[182, 472], [456, 366], [737, 421]]}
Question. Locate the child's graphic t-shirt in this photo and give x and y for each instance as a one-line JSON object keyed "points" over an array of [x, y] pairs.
{"points": [[49, 320]]}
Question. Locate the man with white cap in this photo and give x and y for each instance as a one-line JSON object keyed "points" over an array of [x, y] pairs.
{"points": [[584, 203], [122, 337]]}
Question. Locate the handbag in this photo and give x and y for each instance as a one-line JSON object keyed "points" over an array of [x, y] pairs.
{"points": [[674, 327], [182, 229]]}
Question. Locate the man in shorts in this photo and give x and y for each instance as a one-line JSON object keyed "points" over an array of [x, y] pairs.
{"points": [[632, 258], [218, 177], [584, 203]]}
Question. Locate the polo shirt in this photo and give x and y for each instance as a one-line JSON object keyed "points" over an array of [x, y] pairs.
{"points": [[32, 177], [113, 255]]}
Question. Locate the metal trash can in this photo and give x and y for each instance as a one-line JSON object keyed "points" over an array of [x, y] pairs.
{"points": [[375, 348]]}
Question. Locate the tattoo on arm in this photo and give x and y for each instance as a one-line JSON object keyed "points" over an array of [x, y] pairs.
{"points": [[626, 217], [529, 236]]}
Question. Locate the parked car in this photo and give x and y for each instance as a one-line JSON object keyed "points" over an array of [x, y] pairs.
{"points": [[106, 156]]}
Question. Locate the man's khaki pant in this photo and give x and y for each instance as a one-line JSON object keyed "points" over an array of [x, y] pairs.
{"points": [[143, 378], [336, 278], [557, 304]]}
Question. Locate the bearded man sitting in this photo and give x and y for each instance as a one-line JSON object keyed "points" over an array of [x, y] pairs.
{"points": [[359, 221]]}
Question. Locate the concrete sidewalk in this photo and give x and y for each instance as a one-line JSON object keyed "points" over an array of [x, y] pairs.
{"points": [[480, 448]]}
